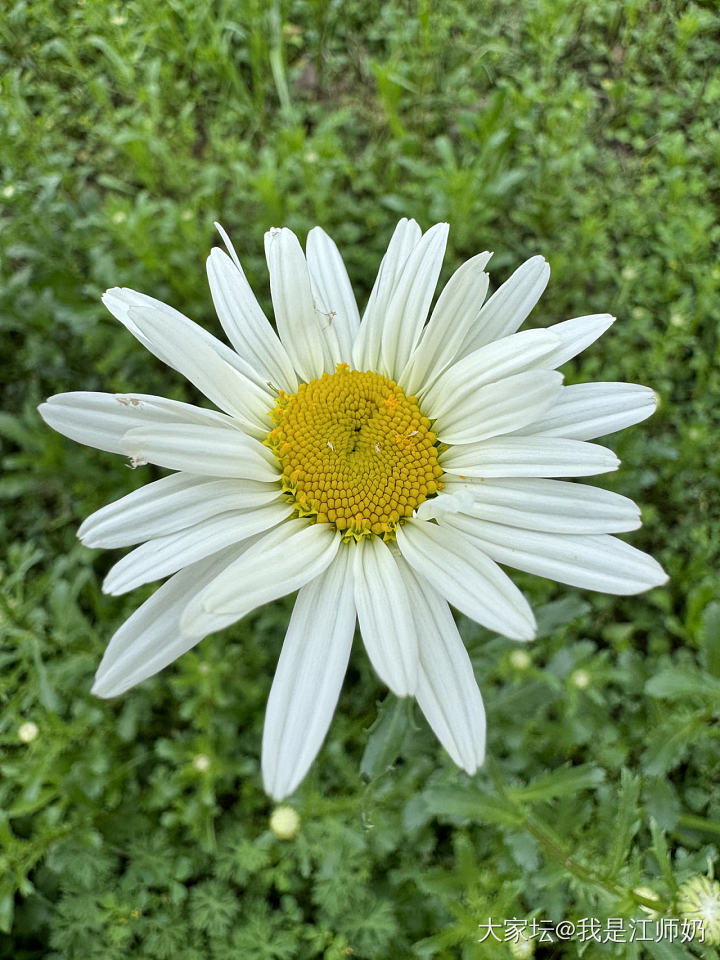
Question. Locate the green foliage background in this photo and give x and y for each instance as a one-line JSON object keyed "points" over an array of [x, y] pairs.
{"points": [[584, 131]]}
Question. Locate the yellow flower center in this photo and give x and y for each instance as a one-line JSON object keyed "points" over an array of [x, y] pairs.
{"points": [[355, 451]]}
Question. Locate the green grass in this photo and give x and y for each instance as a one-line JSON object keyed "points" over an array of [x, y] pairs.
{"points": [[583, 131]]}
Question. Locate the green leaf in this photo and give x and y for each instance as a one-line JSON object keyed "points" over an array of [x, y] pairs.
{"points": [[551, 616], [7, 907], [679, 684], [664, 950], [468, 805], [386, 736], [710, 637], [661, 802], [668, 744], [660, 850], [626, 823], [559, 783]]}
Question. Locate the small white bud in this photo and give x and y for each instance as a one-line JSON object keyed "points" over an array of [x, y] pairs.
{"points": [[202, 763], [520, 659], [649, 894], [580, 679], [28, 731], [284, 822], [522, 949]]}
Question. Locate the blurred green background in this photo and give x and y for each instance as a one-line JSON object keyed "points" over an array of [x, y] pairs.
{"points": [[583, 131]]}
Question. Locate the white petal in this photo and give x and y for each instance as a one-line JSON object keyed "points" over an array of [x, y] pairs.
{"points": [[331, 286], [554, 506], [529, 457], [504, 358], [228, 244], [214, 451], [184, 347], [510, 305], [467, 577], [170, 504], [309, 676], [246, 326], [576, 334], [384, 616], [284, 560], [455, 312], [165, 555], [410, 301], [120, 300], [367, 347], [597, 562], [457, 497], [298, 321], [150, 639], [584, 411], [447, 692], [102, 419], [327, 331], [500, 407]]}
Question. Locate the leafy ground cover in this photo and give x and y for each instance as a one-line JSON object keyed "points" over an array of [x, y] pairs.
{"points": [[586, 132]]}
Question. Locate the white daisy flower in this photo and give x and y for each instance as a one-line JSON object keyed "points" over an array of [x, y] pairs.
{"points": [[383, 466]]}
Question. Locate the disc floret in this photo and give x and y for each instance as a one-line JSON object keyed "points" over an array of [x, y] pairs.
{"points": [[355, 451]]}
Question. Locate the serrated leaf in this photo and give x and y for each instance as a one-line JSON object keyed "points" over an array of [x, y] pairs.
{"points": [[469, 805], [559, 783], [666, 748], [626, 822], [671, 684], [660, 850]]}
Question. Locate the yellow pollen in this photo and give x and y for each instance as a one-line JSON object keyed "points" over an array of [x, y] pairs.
{"points": [[355, 452]]}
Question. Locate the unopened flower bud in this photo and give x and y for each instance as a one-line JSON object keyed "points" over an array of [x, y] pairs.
{"points": [[27, 732], [520, 659], [201, 763], [284, 822], [649, 894], [522, 949], [580, 679], [699, 899]]}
